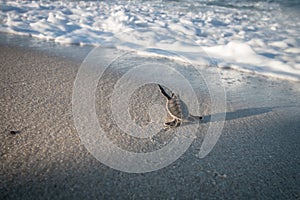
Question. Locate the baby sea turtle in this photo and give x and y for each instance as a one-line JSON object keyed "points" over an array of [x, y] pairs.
{"points": [[177, 109]]}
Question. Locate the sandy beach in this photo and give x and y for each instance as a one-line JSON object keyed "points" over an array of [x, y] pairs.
{"points": [[42, 157]]}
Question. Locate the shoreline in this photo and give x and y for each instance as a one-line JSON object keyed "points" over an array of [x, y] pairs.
{"points": [[255, 156], [78, 53]]}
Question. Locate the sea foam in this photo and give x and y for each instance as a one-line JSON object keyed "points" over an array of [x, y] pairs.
{"points": [[257, 37]]}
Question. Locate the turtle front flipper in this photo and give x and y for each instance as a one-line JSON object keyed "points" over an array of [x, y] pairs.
{"points": [[164, 92]]}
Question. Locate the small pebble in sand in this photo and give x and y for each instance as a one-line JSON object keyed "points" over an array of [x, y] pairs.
{"points": [[15, 132]]}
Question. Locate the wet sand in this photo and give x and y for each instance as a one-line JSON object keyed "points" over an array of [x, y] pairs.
{"points": [[257, 155]]}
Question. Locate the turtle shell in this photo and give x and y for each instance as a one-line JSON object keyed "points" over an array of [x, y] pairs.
{"points": [[177, 108]]}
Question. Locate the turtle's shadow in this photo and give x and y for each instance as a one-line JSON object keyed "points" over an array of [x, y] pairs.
{"points": [[237, 114]]}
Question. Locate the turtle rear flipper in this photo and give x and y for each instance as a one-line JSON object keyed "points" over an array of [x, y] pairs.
{"points": [[172, 124]]}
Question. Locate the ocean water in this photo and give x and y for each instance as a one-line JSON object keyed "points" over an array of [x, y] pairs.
{"points": [[256, 36]]}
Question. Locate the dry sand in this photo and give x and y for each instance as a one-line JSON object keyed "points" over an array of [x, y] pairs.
{"points": [[257, 155]]}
